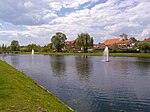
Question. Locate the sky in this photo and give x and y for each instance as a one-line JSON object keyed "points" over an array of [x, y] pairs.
{"points": [[36, 21]]}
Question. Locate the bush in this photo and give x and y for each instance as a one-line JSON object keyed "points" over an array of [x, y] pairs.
{"points": [[124, 51], [113, 51], [144, 46]]}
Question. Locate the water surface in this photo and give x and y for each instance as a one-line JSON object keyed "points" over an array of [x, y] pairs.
{"points": [[89, 85]]}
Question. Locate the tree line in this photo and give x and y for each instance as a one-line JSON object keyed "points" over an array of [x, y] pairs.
{"points": [[57, 44], [83, 42], [14, 46]]}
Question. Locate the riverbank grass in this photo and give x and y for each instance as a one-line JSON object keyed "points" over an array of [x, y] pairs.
{"points": [[19, 93], [144, 55]]}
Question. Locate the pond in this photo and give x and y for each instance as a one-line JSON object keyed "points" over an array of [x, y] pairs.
{"points": [[89, 85]]}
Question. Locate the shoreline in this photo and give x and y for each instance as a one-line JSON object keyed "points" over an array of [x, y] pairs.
{"points": [[142, 55], [20, 93]]}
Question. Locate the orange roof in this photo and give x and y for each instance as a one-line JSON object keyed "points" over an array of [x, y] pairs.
{"points": [[112, 41], [116, 41], [98, 45], [69, 42], [148, 39], [124, 41]]}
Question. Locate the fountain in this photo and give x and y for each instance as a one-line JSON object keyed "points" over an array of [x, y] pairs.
{"points": [[105, 54], [32, 52]]}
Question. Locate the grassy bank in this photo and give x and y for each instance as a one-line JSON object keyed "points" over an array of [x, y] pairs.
{"points": [[74, 54], [145, 55], [19, 93], [66, 54]]}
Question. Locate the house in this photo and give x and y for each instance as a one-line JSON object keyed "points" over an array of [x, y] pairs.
{"points": [[126, 44], [123, 37], [111, 42], [98, 46], [147, 40], [122, 43], [70, 43]]}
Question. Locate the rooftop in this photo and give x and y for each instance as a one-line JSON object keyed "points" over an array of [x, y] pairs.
{"points": [[112, 41], [148, 39], [123, 35]]}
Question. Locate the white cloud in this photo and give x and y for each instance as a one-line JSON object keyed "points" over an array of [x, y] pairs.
{"points": [[20, 12], [145, 33], [28, 4], [1, 26], [36, 21], [75, 3], [55, 6]]}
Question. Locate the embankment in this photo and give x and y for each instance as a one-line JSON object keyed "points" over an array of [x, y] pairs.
{"points": [[18, 92]]}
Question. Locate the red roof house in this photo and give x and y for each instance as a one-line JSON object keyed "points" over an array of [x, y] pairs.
{"points": [[123, 42], [147, 40]]}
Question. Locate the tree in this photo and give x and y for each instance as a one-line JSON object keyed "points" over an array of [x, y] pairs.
{"points": [[23, 49], [133, 39], [50, 47], [144, 46], [84, 40], [35, 47], [3, 48], [58, 41], [14, 46], [92, 42]]}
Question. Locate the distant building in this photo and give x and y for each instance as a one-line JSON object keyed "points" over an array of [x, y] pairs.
{"points": [[99, 46], [123, 37], [147, 40], [122, 43], [110, 42], [70, 43]]}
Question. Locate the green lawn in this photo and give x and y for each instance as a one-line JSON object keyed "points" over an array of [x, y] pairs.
{"points": [[19, 93], [145, 55], [67, 54], [73, 54]]}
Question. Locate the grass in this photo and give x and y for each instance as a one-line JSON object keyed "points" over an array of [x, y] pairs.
{"points": [[74, 54], [18, 93], [67, 54], [145, 55]]}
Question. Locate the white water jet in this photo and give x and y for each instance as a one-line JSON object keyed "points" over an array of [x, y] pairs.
{"points": [[106, 54], [32, 52]]}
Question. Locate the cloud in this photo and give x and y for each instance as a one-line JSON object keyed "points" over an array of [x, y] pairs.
{"points": [[28, 4], [145, 33], [25, 12], [31, 12], [35, 21], [56, 6]]}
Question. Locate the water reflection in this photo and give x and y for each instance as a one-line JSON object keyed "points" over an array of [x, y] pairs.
{"points": [[84, 67], [58, 65], [89, 84], [143, 65], [14, 60]]}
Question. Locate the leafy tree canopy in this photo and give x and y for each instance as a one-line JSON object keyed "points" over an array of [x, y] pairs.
{"points": [[133, 39], [84, 40], [14, 46], [144, 46], [58, 41]]}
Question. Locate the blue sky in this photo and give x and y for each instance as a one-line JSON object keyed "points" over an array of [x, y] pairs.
{"points": [[36, 21]]}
